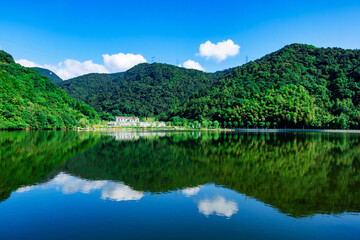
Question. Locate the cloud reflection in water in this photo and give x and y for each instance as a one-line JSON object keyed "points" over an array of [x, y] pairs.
{"points": [[68, 184], [219, 206], [191, 191]]}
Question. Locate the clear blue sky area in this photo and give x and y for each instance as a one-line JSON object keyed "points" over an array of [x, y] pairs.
{"points": [[48, 32]]}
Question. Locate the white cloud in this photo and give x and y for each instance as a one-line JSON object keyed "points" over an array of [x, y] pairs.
{"points": [[120, 192], [26, 63], [122, 62], [219, 51], [192, 65], [218, 206], [72, 68], [191, 191]]}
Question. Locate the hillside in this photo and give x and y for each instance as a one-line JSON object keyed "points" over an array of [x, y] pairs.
{"points": [[144, 90], [297, 86], [30, 100], [51, 75]]}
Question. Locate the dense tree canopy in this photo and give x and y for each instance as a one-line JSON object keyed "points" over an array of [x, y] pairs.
{"points": [[299, 85], [144, 90], [30, 100]]}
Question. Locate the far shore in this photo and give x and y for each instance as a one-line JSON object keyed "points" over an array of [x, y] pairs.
{"points": [[251, 130], [154, 129]]}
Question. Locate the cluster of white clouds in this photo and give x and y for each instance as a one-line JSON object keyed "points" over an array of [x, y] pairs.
{"points": [[72, 68], [219, 51], [120, 62], [219, 206]]}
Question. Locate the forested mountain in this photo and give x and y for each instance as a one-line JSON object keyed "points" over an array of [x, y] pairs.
{"points": [[144, 90], [30, 100], [50, 74], [297, 86]]}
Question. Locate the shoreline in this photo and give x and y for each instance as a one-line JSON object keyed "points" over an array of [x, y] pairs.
{"points": [[155, 129], [259, 130], [248, 130]]}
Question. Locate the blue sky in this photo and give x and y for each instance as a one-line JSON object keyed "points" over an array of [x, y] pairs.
{"points": [[47, 33]]}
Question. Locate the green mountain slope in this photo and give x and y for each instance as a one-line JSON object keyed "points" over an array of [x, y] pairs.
{"points": [[51, 75], [144, 90], [30, 100], [297, 86]]}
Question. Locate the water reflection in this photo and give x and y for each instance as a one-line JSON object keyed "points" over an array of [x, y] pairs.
{"points": [[68, 184], [219, 206], [298, 174], [120, 192], [191, 191]]}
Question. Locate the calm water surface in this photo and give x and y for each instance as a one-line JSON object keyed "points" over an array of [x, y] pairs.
{"points": [[179, 185]]}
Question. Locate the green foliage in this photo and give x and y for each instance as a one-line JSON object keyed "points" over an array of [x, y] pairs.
{"points": [[144, 90], [297, 86], [216, 124], [204, 124], [51, 75], [289, 106], [30, 100]]}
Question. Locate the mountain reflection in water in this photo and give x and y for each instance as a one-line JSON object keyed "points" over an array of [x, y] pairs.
{"points": [[299, 174]]}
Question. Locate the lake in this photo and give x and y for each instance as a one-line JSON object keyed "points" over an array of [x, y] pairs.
{"points": [[179, 185]]}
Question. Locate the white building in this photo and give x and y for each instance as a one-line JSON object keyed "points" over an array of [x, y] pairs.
{"points": [[126, 119]]}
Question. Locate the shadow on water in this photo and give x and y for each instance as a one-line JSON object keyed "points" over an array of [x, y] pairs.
{"points": [[300, 174]]}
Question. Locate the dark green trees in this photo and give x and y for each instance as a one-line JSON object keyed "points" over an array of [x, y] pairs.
{"points": [[297, 86], [145, 90], [30, 100]]}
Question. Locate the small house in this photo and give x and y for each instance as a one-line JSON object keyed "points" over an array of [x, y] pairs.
{"points": [[126, 119]]}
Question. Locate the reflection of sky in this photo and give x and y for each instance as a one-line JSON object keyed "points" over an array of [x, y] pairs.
{"points": [[191, 191], [68, 184], [219, 206], [68, 207], [117, 191]]}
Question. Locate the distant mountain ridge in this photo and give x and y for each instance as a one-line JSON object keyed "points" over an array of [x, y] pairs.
{"points": [[50, 74], [144, 90], [295, 87]]}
